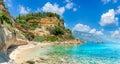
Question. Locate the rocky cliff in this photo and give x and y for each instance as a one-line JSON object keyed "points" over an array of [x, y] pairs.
{"points": [[43, 26], [9, 35]]}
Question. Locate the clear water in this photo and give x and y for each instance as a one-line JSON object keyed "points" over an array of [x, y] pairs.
{"points": [[87, 53], [90, 53]]}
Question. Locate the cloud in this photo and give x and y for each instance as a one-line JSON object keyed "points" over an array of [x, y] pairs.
{"points": [[109, 18], [74, 9], [69, 5], [99, 33], [81, 28], [8, 3], [115, 1], [115, 34], [118, 10], [108, 1], [23, 10], [48, 7], [105, 1], [87, 29], [92, 31]]}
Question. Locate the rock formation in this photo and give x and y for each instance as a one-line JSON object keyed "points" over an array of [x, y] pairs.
{"points": [[9, 35]]}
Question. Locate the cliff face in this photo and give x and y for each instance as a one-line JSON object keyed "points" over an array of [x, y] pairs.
{"points": [[44, 24], [9, 35]]}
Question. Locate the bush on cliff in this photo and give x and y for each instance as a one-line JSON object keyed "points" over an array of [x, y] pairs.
{"points": [[5, 19], [57, 31], [52, 38], [39, 39]]}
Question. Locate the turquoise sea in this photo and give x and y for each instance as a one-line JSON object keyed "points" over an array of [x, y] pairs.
{"points": [[89, 53]]}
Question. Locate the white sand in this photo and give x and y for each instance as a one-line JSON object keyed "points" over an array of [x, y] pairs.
{"points": [[20, 52]]}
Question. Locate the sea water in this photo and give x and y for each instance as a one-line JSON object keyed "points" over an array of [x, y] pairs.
{"points": [[90, 53], [86, 53]]}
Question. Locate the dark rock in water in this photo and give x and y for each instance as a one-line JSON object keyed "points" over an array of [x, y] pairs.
{"points": [[30, 62]]}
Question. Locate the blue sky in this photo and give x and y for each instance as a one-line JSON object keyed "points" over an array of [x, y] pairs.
{"points": [[100, 17]]}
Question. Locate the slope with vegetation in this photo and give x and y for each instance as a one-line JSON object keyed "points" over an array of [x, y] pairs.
{"points": [[50, 25]]}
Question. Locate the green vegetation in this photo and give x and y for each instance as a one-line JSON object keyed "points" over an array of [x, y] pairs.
{"points": [[39, 39], [45, 38], [33, 26], [57, 31], [52, 39], [5, 19], [50, 14], [22, 20], [29, 36]]}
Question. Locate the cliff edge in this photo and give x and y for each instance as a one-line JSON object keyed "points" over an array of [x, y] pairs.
{"points": [[9, 35]]}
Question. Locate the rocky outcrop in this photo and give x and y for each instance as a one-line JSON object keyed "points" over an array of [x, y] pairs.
{"points": [[9, 35]]}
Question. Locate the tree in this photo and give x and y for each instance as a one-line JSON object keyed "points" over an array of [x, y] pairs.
{"points": [[57, 31]]}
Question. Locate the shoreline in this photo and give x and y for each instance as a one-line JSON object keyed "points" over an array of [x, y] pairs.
{"points": [[14, 55], [21, 49]]}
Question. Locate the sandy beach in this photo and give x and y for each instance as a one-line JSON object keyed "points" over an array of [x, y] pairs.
{"points": [[34, 51], [20, 52]]}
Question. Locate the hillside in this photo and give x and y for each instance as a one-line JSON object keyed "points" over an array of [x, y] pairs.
{"points": [[43, 26]]}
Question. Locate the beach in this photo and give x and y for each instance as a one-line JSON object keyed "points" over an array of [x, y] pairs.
{"points": [[23, 53]]}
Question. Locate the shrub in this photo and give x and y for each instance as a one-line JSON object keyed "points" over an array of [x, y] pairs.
{"points": [[39, 39], [52, 38], [33, 26], [57, 31], [5, 18]]}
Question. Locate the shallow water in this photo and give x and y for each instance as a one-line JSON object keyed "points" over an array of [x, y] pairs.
{"points": [[88, 53]]}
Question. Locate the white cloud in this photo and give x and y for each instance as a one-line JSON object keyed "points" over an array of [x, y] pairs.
{"points": [[69, 5], [74, 9], [48, 7], [115, 1], [87, 29], [118, 10], [81, 28], [115, 34], [99, 33], [105, 1], [109, 18], [8, 3], [23, 10], [108, 1], [92, 31]]}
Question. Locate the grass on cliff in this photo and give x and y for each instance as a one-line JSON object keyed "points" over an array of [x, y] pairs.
{"points": [[39, 39], [45, 38], [5, 19]]}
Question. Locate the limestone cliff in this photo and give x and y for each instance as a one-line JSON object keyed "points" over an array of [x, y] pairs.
{"points": [[9, 35]]}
